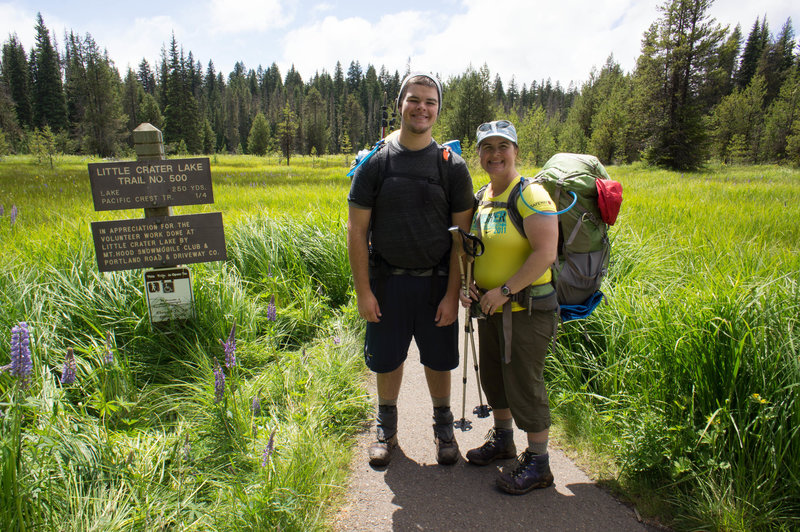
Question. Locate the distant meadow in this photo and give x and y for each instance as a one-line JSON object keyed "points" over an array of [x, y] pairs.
{"points": [[682, 389]]}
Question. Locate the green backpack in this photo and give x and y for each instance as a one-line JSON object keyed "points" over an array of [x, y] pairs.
{"points": [[583, 245]]}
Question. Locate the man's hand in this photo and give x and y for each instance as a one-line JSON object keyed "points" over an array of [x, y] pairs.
{"points": [[447, 312], [368, 307]]}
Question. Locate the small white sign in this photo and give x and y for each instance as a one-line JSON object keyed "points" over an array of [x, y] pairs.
{"points": [[169, 294]]}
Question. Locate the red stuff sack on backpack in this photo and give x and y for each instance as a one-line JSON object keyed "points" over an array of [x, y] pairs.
{"points": [[609, 199]]}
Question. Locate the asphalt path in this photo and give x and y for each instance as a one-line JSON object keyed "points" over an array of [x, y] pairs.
{"points": [[415, 493]]}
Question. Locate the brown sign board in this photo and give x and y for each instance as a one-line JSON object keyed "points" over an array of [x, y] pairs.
{"points": [[159, 241], [148, 184]]}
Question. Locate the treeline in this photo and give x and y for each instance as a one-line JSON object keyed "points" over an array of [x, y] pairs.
{"points": [[698, 91]]}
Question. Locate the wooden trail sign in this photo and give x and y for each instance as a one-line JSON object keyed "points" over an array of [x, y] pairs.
{"points": [[148, 184]]}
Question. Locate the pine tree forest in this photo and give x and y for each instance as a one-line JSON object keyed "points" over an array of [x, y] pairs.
{"points": [[699, 92]]}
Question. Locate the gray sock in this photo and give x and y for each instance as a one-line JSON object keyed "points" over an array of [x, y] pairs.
{"points": [[537, 447]]}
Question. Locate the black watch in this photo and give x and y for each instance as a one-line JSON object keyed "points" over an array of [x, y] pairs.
{"points": [[505, 290]]}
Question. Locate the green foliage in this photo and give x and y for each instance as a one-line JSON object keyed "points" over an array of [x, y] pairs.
{"points": [[139, 442], [536, 142], [287, 131], [258, 139], [42, 145], [467, 103], [47, 95], [689, 373]]}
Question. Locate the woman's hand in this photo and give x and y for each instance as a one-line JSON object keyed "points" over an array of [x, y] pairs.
{"points": [[466, 302], [492, 300]]}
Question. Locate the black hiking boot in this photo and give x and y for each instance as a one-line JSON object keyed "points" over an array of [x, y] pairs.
{"points": [[446, 445], [380, 452], [499, 445], [532, 471]]}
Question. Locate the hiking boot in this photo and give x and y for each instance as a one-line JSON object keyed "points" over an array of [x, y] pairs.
{"points": [[380, 452], [532, 471], [446, 445], [499, 445]]}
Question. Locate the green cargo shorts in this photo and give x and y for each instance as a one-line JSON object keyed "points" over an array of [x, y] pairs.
{"points": [[518, 385]]}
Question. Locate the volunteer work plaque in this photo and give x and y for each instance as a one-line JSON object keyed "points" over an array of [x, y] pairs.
{"points": [[159, 241]]}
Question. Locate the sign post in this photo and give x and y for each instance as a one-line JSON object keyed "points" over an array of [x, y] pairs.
{"points": [[159, 240]]}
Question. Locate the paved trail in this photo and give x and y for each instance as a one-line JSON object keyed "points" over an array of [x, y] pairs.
{"points": [[415, 493]]}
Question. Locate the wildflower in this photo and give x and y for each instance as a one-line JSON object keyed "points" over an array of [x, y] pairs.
{"points": [[219, 382], [268, 449], [230, 348], [269, 270], [109, 358], [255, 405], [13, 214], [337, 340], [2, 210], [187, 448], [758, 399], [68, 373], [21, 365], [271, 312]]}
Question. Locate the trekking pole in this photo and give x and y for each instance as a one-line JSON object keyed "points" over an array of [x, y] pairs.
{"points": [[464, 424], [469, 243]]}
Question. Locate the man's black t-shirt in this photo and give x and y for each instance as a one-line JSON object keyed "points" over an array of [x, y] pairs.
{"points": [[411, 203]]}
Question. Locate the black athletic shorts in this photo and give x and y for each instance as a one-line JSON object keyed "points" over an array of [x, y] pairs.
{"points": [[408, 308]]}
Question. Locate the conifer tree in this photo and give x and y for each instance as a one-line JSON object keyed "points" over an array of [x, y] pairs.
{"points": [[258, 139], [757, 41], [48, 103], [16, 75], [677, 50], [287, 131]]}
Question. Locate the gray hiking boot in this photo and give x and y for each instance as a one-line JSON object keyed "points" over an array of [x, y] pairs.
{"points": [[380, 452], [532, 471], [446, 445], [499, 445]]}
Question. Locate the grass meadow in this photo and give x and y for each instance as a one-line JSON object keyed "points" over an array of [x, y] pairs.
{"points": [[682, 390]]}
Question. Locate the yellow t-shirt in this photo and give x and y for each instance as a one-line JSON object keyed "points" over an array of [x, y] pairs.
{"points": [[505, 248]]}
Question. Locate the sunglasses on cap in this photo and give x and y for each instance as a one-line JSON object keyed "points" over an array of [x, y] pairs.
{"points": [[497, 128], [497, 125]]}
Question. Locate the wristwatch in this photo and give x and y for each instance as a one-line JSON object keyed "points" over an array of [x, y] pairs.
{"points": [[505, 290]]}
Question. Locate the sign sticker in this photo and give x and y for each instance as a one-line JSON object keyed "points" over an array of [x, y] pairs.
{"points": [[169, 294]]}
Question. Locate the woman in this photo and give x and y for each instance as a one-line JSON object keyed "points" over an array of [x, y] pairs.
{"points": [[513, 290]]}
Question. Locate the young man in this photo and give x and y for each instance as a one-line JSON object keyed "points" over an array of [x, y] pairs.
{"points": [[401, 203]]}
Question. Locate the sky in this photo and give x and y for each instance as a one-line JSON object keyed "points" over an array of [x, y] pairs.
{"points": [[527, 40]]}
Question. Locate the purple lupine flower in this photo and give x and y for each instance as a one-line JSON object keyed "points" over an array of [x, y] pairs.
{"points": [[68, 373], [255, 405], [21, 365], [268, 449], [271, 312], [219, 382], [230, 348], [13, 214], [337, 340], [109, 357], [269, 270], [2, 210]]}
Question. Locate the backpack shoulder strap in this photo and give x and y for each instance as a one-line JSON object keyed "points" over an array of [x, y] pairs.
{"points": [[510, 205]]}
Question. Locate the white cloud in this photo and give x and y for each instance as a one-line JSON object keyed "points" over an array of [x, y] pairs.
{"points": [[143, 39], [231, 16], [15, 20]]}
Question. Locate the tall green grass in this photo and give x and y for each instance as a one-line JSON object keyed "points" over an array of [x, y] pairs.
{"points": [[690, 373], [141, 442], [686, 378]]}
